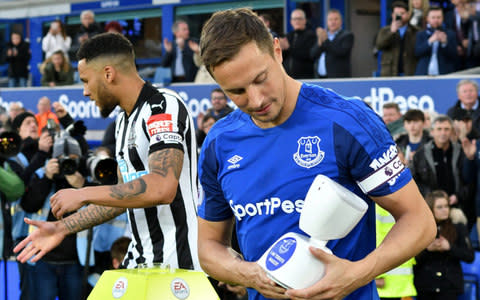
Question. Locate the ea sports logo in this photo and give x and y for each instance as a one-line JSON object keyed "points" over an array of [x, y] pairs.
{"points": [[119, 287], [179, 288]]}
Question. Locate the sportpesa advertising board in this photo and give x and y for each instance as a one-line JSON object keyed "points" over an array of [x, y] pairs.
{"points": [[425, 93]]}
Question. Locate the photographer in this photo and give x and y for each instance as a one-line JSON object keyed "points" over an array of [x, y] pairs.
{"points": [[397, 43], [34, 151], [59, 273]]}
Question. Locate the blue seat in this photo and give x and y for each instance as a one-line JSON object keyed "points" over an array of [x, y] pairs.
{"points": [[471, 275], [162, 76], [469, 291]]}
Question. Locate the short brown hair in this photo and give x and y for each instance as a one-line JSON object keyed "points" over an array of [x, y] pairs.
{"points": [[227, 31]]}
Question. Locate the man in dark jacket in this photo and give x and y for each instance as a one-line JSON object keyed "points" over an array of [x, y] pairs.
{"points": [[397, 43], [178, 54], [332, 51], [438, 164], [467, 103], [296, 47], [435, 47]]}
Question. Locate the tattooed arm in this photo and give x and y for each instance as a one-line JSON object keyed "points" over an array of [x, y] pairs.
{"points": [[48, 235], [157, 187]]}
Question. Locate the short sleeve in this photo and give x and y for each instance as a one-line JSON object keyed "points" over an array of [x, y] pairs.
{"points": [[213, 205], [371, 157], [166, 128]]}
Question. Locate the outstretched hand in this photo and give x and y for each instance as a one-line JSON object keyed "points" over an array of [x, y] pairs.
{"points": [[47, 236], [339, 280]]}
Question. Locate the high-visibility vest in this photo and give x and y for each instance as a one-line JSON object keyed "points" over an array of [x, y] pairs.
{"points": [[398, 281]]}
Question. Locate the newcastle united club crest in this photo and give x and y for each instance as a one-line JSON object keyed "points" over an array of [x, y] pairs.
{"points": [[308, 153]]}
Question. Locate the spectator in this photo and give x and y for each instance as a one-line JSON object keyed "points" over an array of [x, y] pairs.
{"points": [[467, 103], [56, 39], [473, 47], [118, 251], [472, 172], [220, 107], [34, 153], [435, 47], [18, 55], [14, 109], [179, 55], [458, 20], [88, 29], [417, 10], [332, 51], [439, 164], [44, 113], [430, 115], [202, 75], [416, 136], [268, 21], [296, 47], [57, 71], [397, 43], [393, 119], [437, 272], [59, 272], [114, 26], [205, 126]]}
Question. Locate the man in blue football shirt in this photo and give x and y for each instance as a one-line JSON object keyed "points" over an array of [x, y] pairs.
{"points": [[257, 164]]}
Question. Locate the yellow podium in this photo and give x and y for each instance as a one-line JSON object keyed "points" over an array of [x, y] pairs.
{"points": [[153, 283]]}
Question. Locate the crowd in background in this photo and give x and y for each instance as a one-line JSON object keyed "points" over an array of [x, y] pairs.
{"points": [[440, 150]]}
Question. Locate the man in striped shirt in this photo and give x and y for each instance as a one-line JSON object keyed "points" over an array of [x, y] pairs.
{"points": [[156, 154]]}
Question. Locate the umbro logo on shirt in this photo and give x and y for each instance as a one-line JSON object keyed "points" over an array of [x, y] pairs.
{"points": [[234, 162]]}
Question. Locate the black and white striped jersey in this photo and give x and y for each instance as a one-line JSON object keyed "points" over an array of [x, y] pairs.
{"points": [[164, 233]]}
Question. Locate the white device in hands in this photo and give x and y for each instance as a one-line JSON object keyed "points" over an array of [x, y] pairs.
{"points": [[330, 211]]}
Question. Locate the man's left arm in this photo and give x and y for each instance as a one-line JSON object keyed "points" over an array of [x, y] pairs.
{"points": [[157, 187], [414, 229]]}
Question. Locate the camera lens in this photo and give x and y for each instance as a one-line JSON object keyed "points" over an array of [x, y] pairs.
{"points": [[68, 166]]}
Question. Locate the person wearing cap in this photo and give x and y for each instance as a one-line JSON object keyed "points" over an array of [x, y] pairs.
{"points": [[59, 273], [467, 103], [35, 149]]}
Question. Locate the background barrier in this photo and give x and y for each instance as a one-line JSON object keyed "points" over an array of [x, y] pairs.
{"points": [[424, 93]]}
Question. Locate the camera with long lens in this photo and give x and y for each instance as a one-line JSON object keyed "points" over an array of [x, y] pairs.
{"points": [[10, 143], [102, 168], [68, 152]]}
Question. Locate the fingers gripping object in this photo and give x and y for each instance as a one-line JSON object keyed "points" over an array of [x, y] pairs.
{"points": [[330, 211]]}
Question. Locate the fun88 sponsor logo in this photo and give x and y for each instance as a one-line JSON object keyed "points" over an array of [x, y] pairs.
{"points": [[270, 206]]}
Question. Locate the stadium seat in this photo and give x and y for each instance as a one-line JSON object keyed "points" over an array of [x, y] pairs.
{"points": [[471, 275], [469, 291], [162, 76]]}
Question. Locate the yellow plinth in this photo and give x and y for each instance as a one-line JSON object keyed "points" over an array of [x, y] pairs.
{"points": [[153, 283]]}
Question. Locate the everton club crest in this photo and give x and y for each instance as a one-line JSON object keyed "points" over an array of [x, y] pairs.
{"points": [[308, 153]]}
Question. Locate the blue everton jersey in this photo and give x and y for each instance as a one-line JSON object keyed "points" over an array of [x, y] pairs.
{"points": [[261, 176]]}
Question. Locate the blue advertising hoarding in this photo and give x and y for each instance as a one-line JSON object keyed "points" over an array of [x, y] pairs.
{"points": [[425, 93]]}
